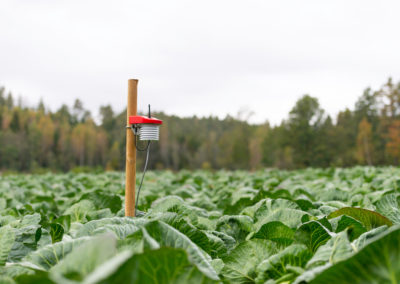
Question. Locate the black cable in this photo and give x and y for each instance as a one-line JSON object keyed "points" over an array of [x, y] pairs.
{"points": [[144, 173], [136, 143], [141, 149], [147, 149]]}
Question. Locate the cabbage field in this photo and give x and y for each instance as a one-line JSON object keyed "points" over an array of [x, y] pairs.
{"points": [[270, 226]]}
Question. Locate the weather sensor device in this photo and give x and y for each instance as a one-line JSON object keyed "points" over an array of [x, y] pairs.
{"points": [[147, 128]]}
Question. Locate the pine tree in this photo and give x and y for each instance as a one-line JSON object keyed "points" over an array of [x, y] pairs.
{"points": [[15, 123], [364, 142]]}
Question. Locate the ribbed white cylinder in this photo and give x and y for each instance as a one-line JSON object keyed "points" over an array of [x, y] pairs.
{"points": [[149, 132]]}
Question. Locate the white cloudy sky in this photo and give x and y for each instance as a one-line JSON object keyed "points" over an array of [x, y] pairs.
{"points": [[199, 57]]}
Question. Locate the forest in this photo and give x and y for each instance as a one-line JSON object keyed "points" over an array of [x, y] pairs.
{"points": [[35, 139]]}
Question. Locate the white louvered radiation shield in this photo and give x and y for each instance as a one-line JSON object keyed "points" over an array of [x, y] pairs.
{"points": [[149, 132]]}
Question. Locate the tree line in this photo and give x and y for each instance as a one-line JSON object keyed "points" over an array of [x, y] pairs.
{"points": [[35, 138]]}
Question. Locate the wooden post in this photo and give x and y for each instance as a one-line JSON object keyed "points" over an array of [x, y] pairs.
{"points": [[130, 169]]}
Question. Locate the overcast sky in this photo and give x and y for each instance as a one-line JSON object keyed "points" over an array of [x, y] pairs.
{"points": [[199, 57]]}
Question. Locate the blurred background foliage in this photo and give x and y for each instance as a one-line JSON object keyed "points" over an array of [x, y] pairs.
{"points": [[35, 139]]}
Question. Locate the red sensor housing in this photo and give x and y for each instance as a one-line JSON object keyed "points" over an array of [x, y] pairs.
{"points": [[135, 119]]}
